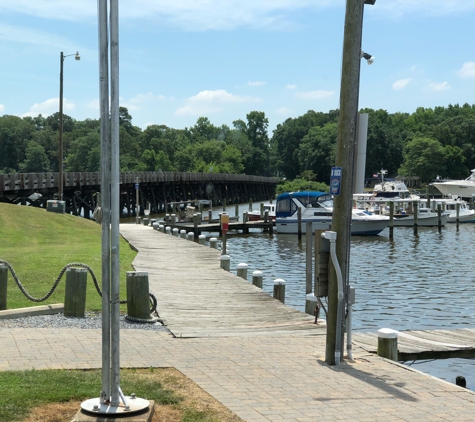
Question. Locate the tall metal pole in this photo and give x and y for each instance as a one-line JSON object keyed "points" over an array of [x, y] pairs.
{"points": [[115, 213], [346, 140], [60, 158], [105, 199]]}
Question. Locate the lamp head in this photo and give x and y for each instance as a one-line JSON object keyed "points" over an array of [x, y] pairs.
{"points": [[368, 57], [77, 56]]}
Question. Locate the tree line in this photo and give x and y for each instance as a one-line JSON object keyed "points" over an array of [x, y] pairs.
{"points": [[426, 143]]}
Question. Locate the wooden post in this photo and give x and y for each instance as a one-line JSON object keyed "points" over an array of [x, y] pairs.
{"points": [[168, 230], [262, 210], [387, 344], [310, 304], [210, 216], [226, 262], [190, 236], [457, 218], [175, 232], [279, 289], [415, 206], [245, 217], [161, 228], [213, 243], [266, 216], [391, 219], [345, 158], [173, 218], [75, 292], [3, 287], [257, 278], [308, 258], [439, 217], [299, 224], [250, 204], [202, 239], [138, 297], [183, 234], [236, 211], [224, 204], [242, 270]]}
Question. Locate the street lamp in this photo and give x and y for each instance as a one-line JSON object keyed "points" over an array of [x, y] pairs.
{"points": [[60, 164], [368, 57]]}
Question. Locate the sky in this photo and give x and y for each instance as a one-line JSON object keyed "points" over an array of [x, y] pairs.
{"points": [[221, 59]]}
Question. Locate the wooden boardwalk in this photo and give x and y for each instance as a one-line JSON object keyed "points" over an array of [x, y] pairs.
{"points": [[197, 298], [426, 344]]}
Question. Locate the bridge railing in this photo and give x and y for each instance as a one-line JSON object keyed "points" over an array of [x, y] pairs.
{"points": [[31, 181]]}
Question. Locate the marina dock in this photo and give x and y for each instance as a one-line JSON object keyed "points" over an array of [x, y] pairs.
{"points": [[263, 360]]}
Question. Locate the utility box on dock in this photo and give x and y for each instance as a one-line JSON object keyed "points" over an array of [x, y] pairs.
{"points": [[56, 206]]}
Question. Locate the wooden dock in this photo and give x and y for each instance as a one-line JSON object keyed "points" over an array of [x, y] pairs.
{"points": [[215, 227], [197, 298], [425, 344]]}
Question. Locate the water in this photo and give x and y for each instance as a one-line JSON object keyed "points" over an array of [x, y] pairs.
{"points": [[408, 283]]}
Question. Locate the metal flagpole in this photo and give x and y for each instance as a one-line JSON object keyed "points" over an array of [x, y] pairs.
{"points": [[115, 213], [111, 401], [105, 196]]}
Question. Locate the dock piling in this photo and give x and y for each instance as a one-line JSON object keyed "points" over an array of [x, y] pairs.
{"points": [[279, 289], [242, 270], [387, 343], [257, 278], [138, 295], [226, 262], [310, 303], [202, 239], [213, 243]]}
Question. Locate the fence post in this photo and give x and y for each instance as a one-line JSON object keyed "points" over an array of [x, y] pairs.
{"points": [[75, 292], [138, 295], [3, 287], [279, 289]]}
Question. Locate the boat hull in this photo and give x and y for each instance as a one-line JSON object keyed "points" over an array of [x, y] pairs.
{"points": [[460, 188], [358, 228], [431, 221]]}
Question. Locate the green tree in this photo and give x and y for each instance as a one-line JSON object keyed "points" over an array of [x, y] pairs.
{"points": [[36, 159], [423, 157]]}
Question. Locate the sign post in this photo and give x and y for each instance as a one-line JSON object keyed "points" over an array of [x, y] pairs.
{"points": [[224, 229]]}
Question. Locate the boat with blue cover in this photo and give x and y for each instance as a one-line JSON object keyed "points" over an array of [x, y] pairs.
{"points": [[317, 208]]}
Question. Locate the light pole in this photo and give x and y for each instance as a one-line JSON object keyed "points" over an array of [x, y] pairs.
{"points": [[60, 164]]}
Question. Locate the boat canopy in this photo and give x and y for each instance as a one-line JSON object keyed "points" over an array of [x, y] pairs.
{"points": [[287, 205]]}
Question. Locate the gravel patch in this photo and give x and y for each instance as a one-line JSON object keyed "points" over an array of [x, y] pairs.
{"points": [[92, 320]]}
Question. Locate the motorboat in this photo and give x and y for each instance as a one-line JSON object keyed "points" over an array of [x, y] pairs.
{"points": [[256, 214], [425, 217], [317, 208], [391, 189], [450, 205], [459, 188]]}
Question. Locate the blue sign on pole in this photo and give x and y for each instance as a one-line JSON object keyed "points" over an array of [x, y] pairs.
{"points": [[335, 181], [136, 186]]}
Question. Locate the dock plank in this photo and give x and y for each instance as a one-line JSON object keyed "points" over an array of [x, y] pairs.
{"points": [[203, 300]]}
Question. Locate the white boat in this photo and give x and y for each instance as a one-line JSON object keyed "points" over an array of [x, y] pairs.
{"points": [[391, 189], [459, 188], [256, 214], [425, 217], [317, 207], [466, 215]]}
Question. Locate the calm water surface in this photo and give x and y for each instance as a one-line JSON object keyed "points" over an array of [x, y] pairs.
{"points": [[408, 283]]}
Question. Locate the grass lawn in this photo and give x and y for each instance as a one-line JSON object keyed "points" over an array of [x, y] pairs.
{"points": [[56, 395], [38, 244]]}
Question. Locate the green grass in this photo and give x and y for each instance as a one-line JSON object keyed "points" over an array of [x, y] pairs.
{"points": [[38, 244], [21, 391]]}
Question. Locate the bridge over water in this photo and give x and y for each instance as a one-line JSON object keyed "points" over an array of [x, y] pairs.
{"points": [[158, 188]]}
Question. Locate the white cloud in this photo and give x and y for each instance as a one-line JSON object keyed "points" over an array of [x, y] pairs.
{"points": [[188, 15], [146, 98], [290, 86], [2, 108], [468, 70], [22, 34], [49, 107], [284, 110], [208, 102], [401, 83], [257, 83], [315, 95], [442, 86]]}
